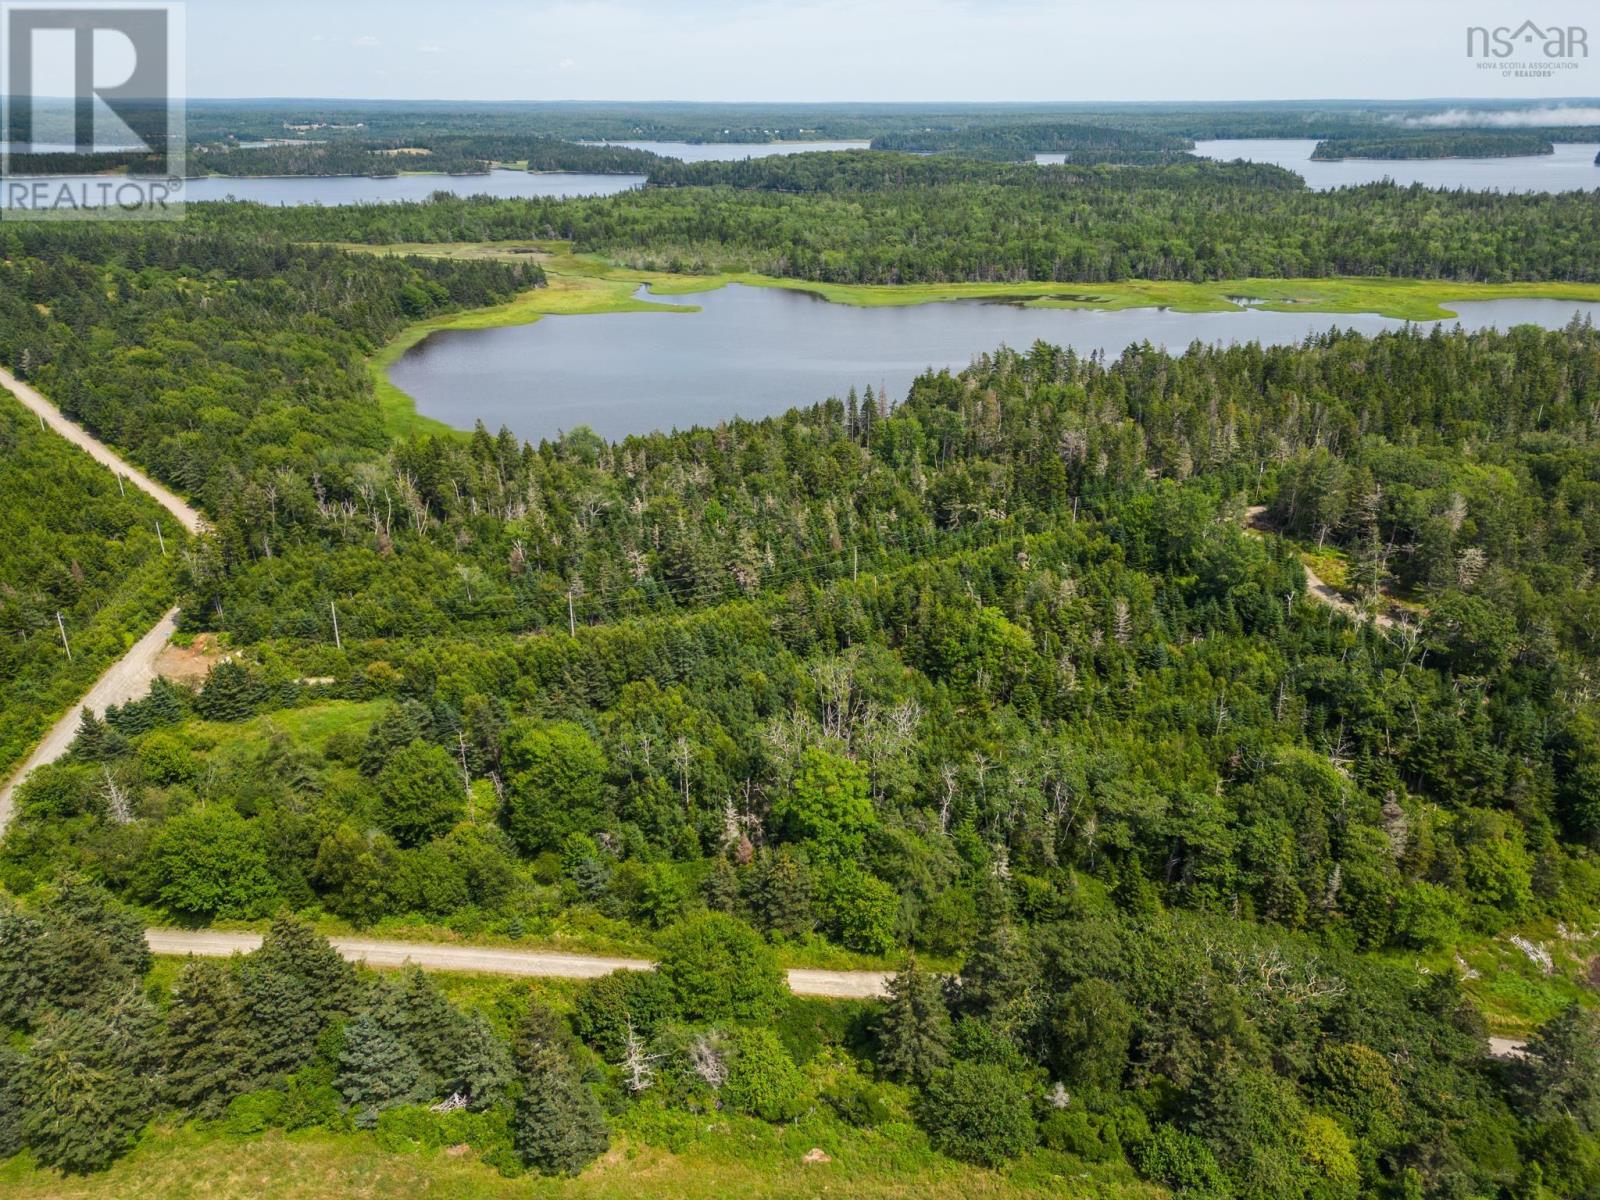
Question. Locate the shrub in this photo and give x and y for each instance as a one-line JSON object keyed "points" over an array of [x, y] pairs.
{"points": [[762, 1079], [1183, 1163], [607, 1005], [719, 969], [1091, 1137], [420, 793], [212, 862], [254, 1112], [409, 1127], [977, 1112]]}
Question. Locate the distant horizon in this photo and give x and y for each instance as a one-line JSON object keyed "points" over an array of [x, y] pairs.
{"points": [[880, 51]]}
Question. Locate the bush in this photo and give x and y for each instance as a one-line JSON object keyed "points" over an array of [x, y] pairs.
{"points": [[762, 1079], [212, 862], [1427, 916], [1183, 1163], [719, 969], [859, 909], [1091, 1137], [606, 1005], [310, 1101], [409, 1127], [420, 793], [977, 1112], [254, 1112]]}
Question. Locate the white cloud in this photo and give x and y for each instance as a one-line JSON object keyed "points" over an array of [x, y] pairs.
{"points": [[366, 40], [429, 48], [567, 64]]}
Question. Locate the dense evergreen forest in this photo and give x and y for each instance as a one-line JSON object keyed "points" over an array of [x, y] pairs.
{"points": [[865, 217], [214, 121], [1473, 143], [1018, 141]]}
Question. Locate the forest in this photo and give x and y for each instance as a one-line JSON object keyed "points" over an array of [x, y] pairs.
{"points": [[78, 545], [849, 218], [445, 155], [1017, 687], [1473, 143], [996, 676], [1021, 141]]}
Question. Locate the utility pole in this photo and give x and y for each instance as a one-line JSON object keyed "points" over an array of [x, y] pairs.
{"points": [[159, 538], [62, 625], [572, 620], [121, 491], [337, 644], [855, 563]]}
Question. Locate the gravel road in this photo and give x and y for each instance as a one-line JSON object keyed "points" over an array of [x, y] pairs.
{"points": [[208, 943], [100, 452], [130, 677]]}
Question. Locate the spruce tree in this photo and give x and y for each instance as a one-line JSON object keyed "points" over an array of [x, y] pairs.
{"points": [[88, 949], [915, 1033], [557, 1126], [292, 947], [207, 1046], [999, 977], [19, 976], [87, 1080], [412, 1009], [283, 1019], [11, 1096], [482, 1071], [377, 1070]]}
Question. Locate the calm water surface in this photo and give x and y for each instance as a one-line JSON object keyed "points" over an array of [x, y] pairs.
{"points": [[733, 151], [304, 189], [755, 352], [1571, 168], [347, 190]]}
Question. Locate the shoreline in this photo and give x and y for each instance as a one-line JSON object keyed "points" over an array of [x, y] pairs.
{"points": [[580, 285]]}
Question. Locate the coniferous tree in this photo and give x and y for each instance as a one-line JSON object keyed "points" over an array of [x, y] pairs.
{"points": [[377, 1070], [207, 1045], [557, 1126], [483, 1071], [12, 1064], [89, 948], [412, 1009], [999, 977], [1559, 1075], [914, 1040], [292, 947], [88, 1083]]}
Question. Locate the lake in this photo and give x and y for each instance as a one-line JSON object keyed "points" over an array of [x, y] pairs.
{"points": [[755, 352], [360, 190], [346, 189], [734, 151], [1570, 169]]}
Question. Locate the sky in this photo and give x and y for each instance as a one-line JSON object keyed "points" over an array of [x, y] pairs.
{"points": [[867, 50]]}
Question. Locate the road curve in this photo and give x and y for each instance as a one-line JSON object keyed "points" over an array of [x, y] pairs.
{"points": [[100, 452], [494, 960]]}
